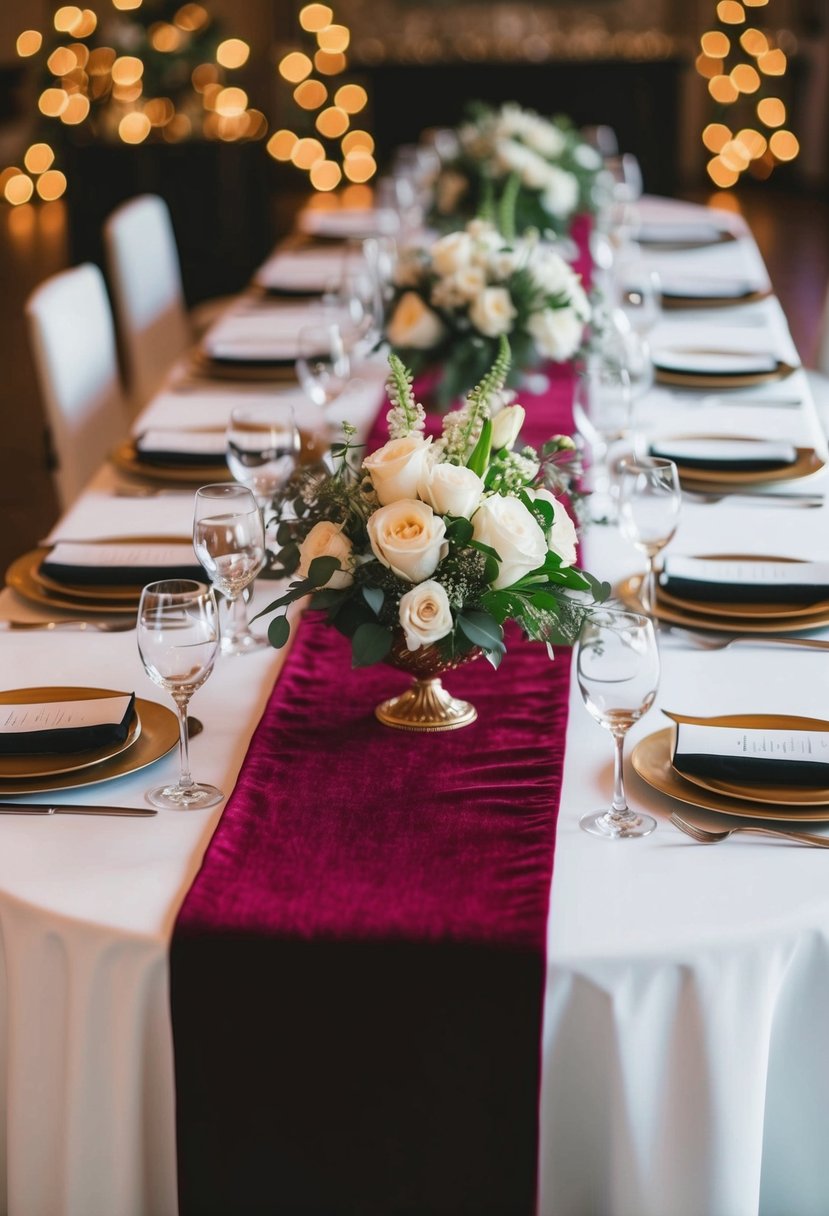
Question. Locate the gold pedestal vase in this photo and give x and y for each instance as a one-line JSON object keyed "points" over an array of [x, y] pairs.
{"points": [[426, 705]]}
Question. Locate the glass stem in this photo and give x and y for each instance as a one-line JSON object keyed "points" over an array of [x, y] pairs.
{"points": [[185, 780], [650, 585], [619, 806]]}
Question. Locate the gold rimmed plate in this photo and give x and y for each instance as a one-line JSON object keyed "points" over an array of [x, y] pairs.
{"points": [[244, 369], [52, 765], [128, 595], [770, 612], [652, 761], [715, 379], [629, 592], [21, 577], [806, 462], [788, 795], [649, 238], [157, 737], [126, 458], [678, 300]]}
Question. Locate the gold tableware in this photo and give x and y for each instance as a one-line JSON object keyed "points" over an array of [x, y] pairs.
{"points": [[720, 380], [426, 705], [629, 593], [13, 768]]}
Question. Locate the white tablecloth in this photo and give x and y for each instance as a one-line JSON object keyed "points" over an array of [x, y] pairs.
{"points": [[683, 1070]]}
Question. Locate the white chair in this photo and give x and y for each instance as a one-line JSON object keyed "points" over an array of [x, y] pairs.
{"points": [[73, 341], [145, 276]]}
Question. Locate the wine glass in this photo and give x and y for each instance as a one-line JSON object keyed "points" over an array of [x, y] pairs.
{"points": [[617, 665], [262, 448], [323, 366], [178, 638], [229, 540], [355, 302], [602, 411], [640, 294], [650, 500]]}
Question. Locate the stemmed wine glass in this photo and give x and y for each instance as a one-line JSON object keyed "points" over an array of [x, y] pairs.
{"points": [[262, 448], [650, 500], [602, 411], [229, 540], [617, 664], [178, 639], [323, 366]]}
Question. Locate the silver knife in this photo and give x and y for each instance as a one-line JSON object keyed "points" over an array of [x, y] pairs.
{"points": [[31, 808]]}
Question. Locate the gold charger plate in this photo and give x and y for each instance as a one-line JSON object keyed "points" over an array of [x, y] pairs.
{"points": [[766, 793], [158, 736], [125, 458], [718, 380], [806, 462], [651, 760], [243, 369], [50, 765], [770, 612], [129, 594], [680, 301], [21, 576], [679, 246], [629, 594]]}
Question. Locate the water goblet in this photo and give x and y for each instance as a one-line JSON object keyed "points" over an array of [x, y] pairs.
{"points": [[617, 665], [229, 540], [323, 366], [650, 500], [602, 410], [640, 293], [178, 639], [262, 448]]}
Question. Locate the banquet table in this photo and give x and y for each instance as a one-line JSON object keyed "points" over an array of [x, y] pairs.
{"points": [[682, 1061]]}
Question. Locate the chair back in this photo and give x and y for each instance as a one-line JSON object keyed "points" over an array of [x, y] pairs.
{"points": [[145, 277], [73, 342]]}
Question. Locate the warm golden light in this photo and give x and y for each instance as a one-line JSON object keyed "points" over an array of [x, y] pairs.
{"points": [[721, 175], [80, 52], [735, 156], [210, 93], [257, 125], [723, 89], [783, 145], [159, 110], [359, 197], [357, 139], [754, 143], [295, 67], [61, 61], [232, 127], [771, 111], [281, 144], [127, 70], [325, 175], [755, 3], [232, 53], [53, 102], [359, 165], [85, 25], [315, 17], [29, 43], [333, 38], [100, 61], [19, 189], [730, 12], [75, 81], [773, 63], [177, 128], [134, 128], [715, 136], [204, 75], [329, 63], [76, 110], [126, 6], [66, 17], [306, 152], [745, 78], [332, 122], [230, 103], [165, 38], [311, 94], [191, 17], [754, 41], [38, 158], [352, 98], [708, 67], [716, 44], [51, 185], [127, 92]]}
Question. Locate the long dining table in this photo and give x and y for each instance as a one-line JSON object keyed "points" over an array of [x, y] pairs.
{"points": [[683, 1069]]}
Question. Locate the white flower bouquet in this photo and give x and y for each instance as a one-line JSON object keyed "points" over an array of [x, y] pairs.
{"points": [[429, 547], [543, 161], [454, 300]]}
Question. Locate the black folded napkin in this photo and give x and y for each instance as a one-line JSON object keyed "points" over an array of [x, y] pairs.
{"points": [[180, 449], [117, 714], [745, 581], [726, 455], [753, 755], [127, 564]]}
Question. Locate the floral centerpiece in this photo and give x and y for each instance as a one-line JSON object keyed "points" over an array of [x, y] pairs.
{"points": [[544, 160], [421, 551], [454, 300]]}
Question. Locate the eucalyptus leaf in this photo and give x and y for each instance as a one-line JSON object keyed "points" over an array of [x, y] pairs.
{"points": [[321, 569], [459, 530], [374, 597], [279, 631], [370, 644], [481, 628]]}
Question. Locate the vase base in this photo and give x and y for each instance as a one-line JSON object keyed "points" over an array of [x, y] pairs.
{"points": [[426, 706]]}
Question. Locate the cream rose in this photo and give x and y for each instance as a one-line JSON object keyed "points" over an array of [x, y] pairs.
{"points": [[556, 332], [414, 324], [326, 540], [425, 614], [396, 468], [561, 537], [451, 253], [493, 312], [506, 426], [409, 538], [510, 529], [451, 489], [561, 192]]}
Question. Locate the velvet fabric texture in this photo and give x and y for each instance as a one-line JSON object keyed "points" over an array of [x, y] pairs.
{"points": [[357, 971]]}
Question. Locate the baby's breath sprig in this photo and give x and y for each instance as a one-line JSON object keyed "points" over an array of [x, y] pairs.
{"points": [[406, 414]]}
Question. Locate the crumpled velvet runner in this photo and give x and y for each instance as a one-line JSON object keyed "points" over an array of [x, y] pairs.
{"points": [[357, 971]]}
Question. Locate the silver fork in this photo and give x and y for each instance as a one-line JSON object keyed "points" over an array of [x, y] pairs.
{"points": [[754, 499], [118, 626], [150, 492], [706, 836], [721, 641]]}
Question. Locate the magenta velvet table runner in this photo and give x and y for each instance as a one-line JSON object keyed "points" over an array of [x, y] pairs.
{"points": [[357, 971]]}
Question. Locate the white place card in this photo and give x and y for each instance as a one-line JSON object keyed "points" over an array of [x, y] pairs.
{"points": [[63, 715], [712, 451], [190, 443], [744, 573], [716, 362], [743, 743], [137, 555]]}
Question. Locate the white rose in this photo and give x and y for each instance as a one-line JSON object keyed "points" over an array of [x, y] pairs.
{"points": [[451, 253], [536, 173], [551, 272], [510, 529], [396, 468], [587, 157], [449, 190], [425, 614], [326, 540], [561, 537], [409, 538], [561, 192], [451, 489], [556, 332], [506, 426], [413, 324], [493, 312]]}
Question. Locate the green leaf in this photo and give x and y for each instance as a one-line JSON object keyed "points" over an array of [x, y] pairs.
{"points": [[370, 644], [599, 590], [321, 569], [295, 592], [279, 631], [329, 597], [495, 656], [481, 628], [487, 549], [285, 532], [479, 459], [374, 597], [459, 530]]}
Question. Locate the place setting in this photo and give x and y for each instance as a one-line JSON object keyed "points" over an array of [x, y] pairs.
{"points": [[731, 463], [169, 455]]}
